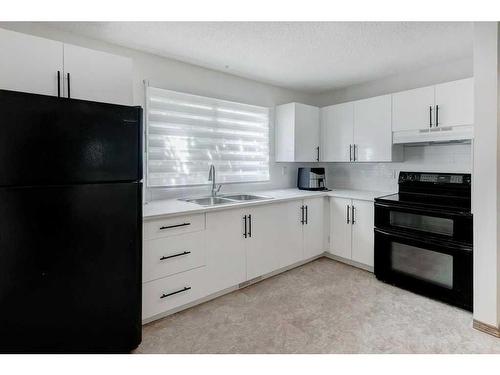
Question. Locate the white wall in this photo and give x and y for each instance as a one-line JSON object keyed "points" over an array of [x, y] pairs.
{"points": [[486, 173], [175, 75]]}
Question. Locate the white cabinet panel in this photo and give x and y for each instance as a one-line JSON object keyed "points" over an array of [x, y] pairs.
{"points": [[362, 232], [97, 76], [340, 232], [276, 237], [337, 127], [173, 226], [167, 256], [29, 63], [314, 232], [372, 129], [296, 133], [413, 109], [225, 246], [455, 102]]}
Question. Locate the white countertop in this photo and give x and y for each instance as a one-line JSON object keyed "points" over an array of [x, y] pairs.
{"points": [[174, 207]]}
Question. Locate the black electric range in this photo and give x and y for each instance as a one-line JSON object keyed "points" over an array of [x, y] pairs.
{"points": [[423, 236]]}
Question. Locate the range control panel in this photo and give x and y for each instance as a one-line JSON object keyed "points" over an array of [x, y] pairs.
{"points": [[435, 178]]}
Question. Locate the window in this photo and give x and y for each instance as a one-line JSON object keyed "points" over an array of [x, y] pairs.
{"points": [[186, 133]]}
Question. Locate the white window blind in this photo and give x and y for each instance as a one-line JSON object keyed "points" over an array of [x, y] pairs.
{"points": [[186, 133]]}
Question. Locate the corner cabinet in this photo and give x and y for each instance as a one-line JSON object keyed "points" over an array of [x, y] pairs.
{"points": [[43, 66], [359, 131], [351, 233], [297, 133]]}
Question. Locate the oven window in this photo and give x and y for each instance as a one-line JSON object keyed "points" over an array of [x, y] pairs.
{"points": [[438, 225], [423, 264]]}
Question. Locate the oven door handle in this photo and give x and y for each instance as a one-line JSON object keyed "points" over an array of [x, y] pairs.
{"points": [[450, 245], [423, 211]]}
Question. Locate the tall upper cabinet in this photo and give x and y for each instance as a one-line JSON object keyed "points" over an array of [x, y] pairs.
{"points": [[359, 131], [297, 133], [43, 66]]}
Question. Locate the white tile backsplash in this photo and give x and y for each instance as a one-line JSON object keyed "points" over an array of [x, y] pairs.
{"points": [[450, 157]]}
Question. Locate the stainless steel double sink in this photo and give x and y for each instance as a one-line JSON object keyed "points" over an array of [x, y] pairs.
{"points": [[224, 199]]}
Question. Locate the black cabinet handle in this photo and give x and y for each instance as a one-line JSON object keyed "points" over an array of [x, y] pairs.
{"points": [[350, 152], [317, 156], [354, 152], [58, 84], [175, 226], [69, 86], [245, 220], [437, 116], [347, 215], [307, 215], [176, 292], [249, 225], [430, 116], [352, 210], [302, 214], [175, 255]]}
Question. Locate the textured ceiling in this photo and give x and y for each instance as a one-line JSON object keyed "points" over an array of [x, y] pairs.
{"points": [[307, 56]]}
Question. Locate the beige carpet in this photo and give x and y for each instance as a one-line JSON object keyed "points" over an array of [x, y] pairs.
{"points": [[321, 307]]}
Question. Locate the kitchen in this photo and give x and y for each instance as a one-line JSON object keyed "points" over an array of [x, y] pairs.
{"points": [[254, 198]]}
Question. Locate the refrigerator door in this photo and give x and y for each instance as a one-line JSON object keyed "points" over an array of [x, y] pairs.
{"points": [[70, 268], [50, 140]]}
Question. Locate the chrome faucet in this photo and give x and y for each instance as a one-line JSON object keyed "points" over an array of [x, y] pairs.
{"points": [[211, 177]]}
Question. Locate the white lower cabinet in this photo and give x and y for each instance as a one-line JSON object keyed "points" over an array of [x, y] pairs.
{"points": [[170, 292], [187, 258], [274, 237], [314, 227], [351, 231], [225, 244]]}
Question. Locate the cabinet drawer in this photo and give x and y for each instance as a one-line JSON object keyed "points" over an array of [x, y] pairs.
{"points": [[170, 292], [167, 256], [172, 226]]}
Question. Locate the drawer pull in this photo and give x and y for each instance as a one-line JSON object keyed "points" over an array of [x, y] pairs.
{"points": [[175, 226], [175, 255], [176, 292]]}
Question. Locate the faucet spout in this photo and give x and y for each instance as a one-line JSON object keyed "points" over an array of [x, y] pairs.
{"points": [[211, 178]]}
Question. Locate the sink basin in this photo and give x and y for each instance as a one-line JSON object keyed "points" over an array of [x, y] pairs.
{"points": [[225, 199], [209, 201], [244, 197]]}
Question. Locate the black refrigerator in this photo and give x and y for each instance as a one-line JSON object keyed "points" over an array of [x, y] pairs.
{"points": [[70, 225]]}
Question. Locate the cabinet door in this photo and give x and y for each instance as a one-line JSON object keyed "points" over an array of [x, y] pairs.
{"points": [[362, 232], [306, 133], [337, 123], [225, 249], [97, 76], [413, 109], [29, 63], [313, 228], [276, 237], [372, 129], [456, 102], [340, 231]]}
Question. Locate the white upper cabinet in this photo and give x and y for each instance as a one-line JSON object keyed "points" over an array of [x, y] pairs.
{"points": [[337, 127], [413, 109], [97, 76], [372, 129], [455, 103], [29, 64], [443, 112], [297, 133]]}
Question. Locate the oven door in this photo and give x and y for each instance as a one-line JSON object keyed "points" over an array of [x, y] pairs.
{"points": [[436, 223], [436, 268]]}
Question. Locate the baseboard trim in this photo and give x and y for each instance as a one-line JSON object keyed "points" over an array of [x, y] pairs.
{"points": [[486, 328], [349, 262]]}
